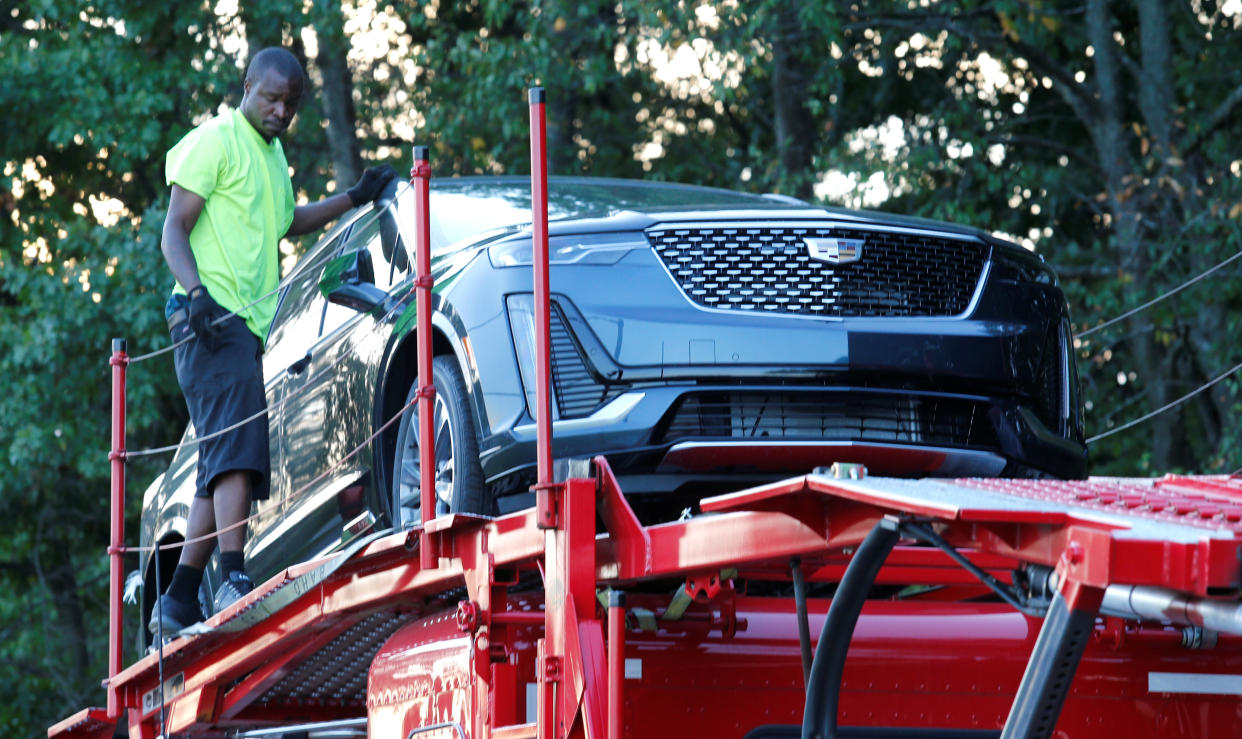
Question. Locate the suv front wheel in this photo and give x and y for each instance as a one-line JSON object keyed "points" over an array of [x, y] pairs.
{"points": [[458, 476]]}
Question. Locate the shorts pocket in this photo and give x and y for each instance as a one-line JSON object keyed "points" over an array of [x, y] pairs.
{"points": [[180, 331]]}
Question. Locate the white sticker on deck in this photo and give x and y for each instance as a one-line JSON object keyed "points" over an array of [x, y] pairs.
{"points": [[1193, 682], [633, 669]]}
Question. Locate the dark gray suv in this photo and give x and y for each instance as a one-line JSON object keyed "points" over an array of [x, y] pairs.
{"points": [[702, 340]]}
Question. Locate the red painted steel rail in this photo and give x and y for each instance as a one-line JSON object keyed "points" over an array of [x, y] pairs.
{"points": [[119, 362], [226, 679], [420, 176]]}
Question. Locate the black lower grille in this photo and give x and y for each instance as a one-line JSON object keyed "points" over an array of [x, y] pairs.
{"points": [[822, 270], [791, 415]]}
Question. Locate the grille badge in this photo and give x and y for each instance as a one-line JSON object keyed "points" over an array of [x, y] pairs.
{"points": [[835, 251]]}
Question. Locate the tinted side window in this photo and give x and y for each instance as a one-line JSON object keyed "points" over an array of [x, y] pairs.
{"points": [[391, 258], [296, 325], [377, 235]]}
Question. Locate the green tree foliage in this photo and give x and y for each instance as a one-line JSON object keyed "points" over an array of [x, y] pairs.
{"points": [[1101, 134], [90, 108], [93, 98]]}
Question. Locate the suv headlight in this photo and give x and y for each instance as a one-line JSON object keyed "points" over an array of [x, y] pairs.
{"points": [[597, 248], [1019, 265]]}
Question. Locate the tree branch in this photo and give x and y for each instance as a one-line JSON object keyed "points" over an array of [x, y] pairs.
{"points": [[1214, 121], [395, 141], [1076, 94]]}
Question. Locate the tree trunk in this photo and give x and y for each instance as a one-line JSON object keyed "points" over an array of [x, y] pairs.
{"points": [[1156, 95], [52, 562], [337, 94], [792, 123], [1127, 203], [62, 584]]}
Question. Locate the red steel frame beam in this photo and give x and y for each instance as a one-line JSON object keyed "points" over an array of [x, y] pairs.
{"points": [[616, 664], [420, 177], [573, 664], [382, 576], [119, 362], [550, 692], [543, 363], [805, 518], [1083, 545]]}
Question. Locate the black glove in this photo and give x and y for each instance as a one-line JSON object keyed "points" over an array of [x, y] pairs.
{"points": [[371, 184], [203, 313]]}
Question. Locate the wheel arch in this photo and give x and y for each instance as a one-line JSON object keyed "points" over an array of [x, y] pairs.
{"points": [[400, 374], [150, 588]]}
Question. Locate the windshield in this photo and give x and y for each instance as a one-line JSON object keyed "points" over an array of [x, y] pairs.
{"points": [[463, 207]]}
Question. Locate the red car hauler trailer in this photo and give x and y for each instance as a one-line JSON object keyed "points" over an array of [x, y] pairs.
{"points": [[679, 629], [827, 605]]}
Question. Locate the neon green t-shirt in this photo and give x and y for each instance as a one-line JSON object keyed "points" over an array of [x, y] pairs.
{"points": [[249, 206]]}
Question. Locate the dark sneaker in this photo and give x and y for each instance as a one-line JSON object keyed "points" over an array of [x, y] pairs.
{"points": [[172, 615], [236, 585]]}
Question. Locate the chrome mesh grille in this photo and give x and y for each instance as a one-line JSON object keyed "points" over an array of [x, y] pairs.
{"points": [[817, 415], [768, 269]]}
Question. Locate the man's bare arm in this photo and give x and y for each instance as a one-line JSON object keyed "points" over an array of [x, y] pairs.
{"points": [[314, 216], [184, 208]]}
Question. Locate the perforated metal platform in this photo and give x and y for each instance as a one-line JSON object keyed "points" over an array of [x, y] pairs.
{"points": [[336, 675], [1199, 502]]}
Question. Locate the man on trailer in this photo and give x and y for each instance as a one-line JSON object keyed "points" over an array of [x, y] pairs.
{"points": [[231, 203]]}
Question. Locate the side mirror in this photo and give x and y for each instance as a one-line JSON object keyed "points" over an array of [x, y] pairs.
{"points": [[349, 280]]}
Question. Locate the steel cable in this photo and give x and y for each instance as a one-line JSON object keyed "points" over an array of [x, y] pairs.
{"points": [[1138, 309], [390, 205], [291, 496], [280, 286], [279, 403], [1167, 406], [304, 387], [1158, 298], [276, 406]]}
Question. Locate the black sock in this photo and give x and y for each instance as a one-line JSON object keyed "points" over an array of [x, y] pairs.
{"points": [[232, 562], [185, 582]]}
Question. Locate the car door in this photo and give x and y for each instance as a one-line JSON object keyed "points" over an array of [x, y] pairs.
{"points": [[295, 329], [328, 404]]}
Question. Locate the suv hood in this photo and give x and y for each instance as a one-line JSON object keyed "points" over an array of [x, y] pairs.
{"points": [[471, 206]]}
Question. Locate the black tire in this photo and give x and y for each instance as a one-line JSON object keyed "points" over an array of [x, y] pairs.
{"points": [[459, 479]]}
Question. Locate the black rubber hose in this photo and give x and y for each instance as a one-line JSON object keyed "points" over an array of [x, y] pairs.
{"points": [[819, 719], [804, 625]]}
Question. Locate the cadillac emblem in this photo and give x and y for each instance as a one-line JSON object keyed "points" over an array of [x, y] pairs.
{"points": [[835, 251]]}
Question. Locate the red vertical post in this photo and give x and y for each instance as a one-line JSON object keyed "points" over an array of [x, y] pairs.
{"points": [[545, 509], [119, 362], [616, 662], [545, 693], [420, 177]]}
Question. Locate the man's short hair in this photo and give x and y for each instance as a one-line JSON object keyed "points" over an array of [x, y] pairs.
{"points": [[278, 59]]}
